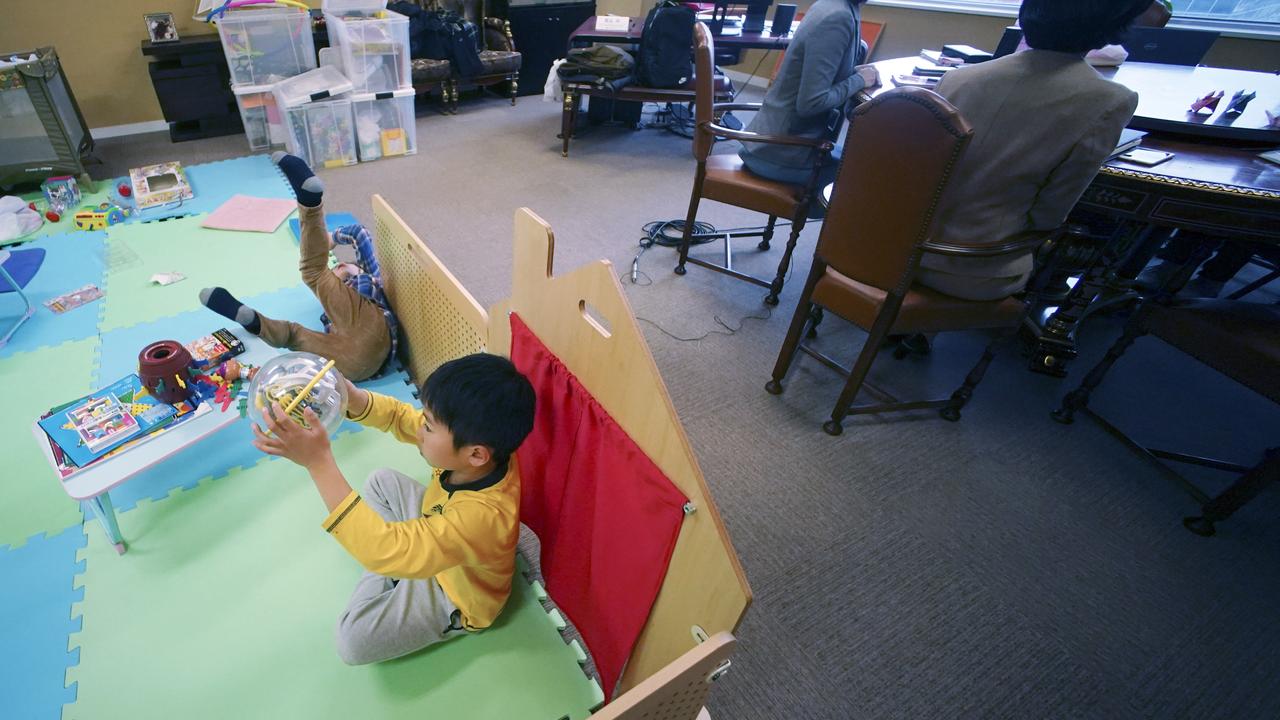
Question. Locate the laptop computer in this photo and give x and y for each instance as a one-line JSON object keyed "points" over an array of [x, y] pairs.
{"points": [[1169, 46]]}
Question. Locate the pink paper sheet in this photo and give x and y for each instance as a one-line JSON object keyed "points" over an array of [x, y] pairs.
{"points": [[250, 214]]}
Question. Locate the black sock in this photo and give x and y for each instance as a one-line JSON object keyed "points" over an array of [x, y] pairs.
{"points": [[308, 187], [225, 304]]}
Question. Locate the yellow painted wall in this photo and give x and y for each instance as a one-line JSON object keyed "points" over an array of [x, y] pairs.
{"points": [[99, 42]]}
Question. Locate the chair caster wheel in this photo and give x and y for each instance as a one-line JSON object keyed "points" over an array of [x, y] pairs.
{"points": [[1199, 526], [680, 270], [832, 427], [762, 245], [771, 299], [1063, 416], [813, 333], [950, 414], [773, 387]]}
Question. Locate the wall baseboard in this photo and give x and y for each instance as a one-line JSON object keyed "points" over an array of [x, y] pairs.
{"points": [[130, 129]]}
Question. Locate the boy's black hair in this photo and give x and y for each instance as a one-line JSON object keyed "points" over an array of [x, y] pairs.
{"points": [[1077, 26], [483, 400]]}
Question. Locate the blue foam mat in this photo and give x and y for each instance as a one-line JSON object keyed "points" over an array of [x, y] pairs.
{"points": [[332, 221], [72, 260], [214, 183], [36, 607]]}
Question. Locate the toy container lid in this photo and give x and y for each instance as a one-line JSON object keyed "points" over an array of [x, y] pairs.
{"points": [[251, 89], [357, 7], [384, 95], [318, 84]]}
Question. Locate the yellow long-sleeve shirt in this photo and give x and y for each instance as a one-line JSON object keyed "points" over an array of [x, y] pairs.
{"points": [[465, 539]]}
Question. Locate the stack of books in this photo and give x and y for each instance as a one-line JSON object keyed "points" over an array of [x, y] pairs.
{"points": [[110, 421]]}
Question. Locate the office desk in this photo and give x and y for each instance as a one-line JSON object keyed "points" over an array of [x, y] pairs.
{"points": [[1213, 184]]}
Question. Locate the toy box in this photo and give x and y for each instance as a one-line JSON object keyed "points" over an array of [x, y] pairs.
{"points": [[159, 184], [322, 133], [385, 124]]}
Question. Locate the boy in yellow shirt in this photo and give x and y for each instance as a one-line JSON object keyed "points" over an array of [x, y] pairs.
{"points": [[440, 557]]}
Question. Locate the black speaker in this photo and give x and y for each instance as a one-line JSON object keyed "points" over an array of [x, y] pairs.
{"points": [[782, 17]]}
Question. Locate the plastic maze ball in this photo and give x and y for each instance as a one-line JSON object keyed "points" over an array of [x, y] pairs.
{"points": [[283, 377]]}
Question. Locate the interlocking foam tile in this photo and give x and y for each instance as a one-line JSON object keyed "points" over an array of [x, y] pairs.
{"points": [[332, 221], [31, 496], [226, 601], [39, 582], [120, 346], [245, 263], [71, 261]]}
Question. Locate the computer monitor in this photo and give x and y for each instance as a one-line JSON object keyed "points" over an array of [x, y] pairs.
{"points": [[756, 9], [1169, 46]]}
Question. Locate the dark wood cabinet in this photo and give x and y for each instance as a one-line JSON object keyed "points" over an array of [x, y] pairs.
{"points": [[541, 34]]}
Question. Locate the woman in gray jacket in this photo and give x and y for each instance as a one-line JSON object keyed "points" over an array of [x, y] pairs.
{"points": [[816, 79]]}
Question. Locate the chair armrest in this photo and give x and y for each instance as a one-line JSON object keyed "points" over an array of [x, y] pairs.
{"points": [[752, 107], [744, 136], [1018, 243]]}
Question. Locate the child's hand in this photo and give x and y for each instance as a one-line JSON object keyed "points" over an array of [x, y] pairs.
{"points": [[306, 446]]}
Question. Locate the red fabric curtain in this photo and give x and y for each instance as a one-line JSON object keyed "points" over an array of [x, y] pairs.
{"points": [[606, 516]]}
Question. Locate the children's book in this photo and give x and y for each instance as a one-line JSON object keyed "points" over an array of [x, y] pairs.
{"points": [[92, 426], [214, 348], [65, 468]]}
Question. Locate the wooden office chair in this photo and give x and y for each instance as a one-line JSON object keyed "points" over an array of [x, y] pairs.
{"points": [[901, 149], [723, 178], [677, 691], [1238, 339]]}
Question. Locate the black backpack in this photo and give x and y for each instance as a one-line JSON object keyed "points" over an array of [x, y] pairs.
{"points": [[666, 47]]}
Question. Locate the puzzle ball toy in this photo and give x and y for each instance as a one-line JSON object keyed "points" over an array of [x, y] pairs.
{"points": [[282, 378]]}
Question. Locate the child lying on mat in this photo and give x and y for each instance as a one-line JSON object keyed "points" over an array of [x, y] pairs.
{"points": [[439, 558], [360, 330]]}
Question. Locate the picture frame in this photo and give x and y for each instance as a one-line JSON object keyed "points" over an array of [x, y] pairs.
{"points": [[160, 27]]}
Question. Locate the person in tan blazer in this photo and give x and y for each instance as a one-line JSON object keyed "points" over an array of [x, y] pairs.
{"points": [[1044, 122]]}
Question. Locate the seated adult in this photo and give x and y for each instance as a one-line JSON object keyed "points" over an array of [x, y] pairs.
{"points": [[817, 77], [1044, 122]]}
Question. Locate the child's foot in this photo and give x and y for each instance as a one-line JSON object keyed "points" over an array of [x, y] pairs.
{"points": [[225, 304], [306, 185]]}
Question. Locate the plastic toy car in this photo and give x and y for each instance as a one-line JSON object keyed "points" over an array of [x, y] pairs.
{"points": [[105, 215]]}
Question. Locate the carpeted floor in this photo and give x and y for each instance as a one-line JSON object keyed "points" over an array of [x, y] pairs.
{"points": [[1002, 566]]}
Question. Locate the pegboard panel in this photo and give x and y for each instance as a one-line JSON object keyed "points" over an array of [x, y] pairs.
{"points": [[439, 319], [677, 691]]}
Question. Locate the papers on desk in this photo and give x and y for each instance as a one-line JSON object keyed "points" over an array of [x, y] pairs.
{"points": [[612, 23]]}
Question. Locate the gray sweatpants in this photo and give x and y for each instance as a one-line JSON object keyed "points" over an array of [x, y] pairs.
{"points": [[387, 618]]}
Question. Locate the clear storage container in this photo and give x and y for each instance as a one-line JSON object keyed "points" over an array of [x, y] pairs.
{"points": [[385, 124], [321, 133], [263, 121], [264, 46], [353, 7], [373, 51]]}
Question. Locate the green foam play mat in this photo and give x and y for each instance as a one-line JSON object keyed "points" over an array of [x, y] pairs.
{"points": [[226, 602]]}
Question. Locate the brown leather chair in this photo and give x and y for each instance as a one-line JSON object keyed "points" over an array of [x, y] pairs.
{"points": [[1238, 339], [900, 152], [723, 177]]}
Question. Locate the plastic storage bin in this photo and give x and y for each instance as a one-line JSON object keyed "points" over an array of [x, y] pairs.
{"points": [[321, 133], [385, 124], [264, 46], [263, 121], [373, 51]]}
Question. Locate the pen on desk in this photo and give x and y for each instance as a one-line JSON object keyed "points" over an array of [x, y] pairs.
{"points": [[635, 269]]}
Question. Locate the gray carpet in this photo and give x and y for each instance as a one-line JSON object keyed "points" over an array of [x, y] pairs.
{"points": [[1003, 566]]}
